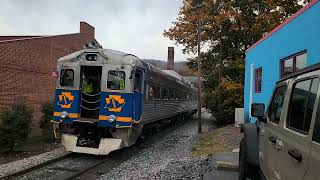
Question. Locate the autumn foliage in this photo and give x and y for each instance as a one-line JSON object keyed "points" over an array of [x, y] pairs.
{"points": [[227, 29]]}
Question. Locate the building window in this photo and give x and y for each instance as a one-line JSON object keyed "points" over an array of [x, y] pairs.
{"points": [[293, 63], [258, 80]]}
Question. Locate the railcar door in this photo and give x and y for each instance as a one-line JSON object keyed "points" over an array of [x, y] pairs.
{"points": [[138, 94]]}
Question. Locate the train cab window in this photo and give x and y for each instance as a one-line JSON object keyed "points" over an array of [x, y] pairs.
{"points": [[164, 93], [171, 94], [66, 78], [116, 80]]}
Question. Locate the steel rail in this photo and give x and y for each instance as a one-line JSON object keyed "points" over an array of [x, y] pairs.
{"points": [[79, 173], [36, 167]]}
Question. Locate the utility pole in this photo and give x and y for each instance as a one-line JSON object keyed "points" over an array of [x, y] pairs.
{"points": [[199, 77], [219, 79], [197, 4]]}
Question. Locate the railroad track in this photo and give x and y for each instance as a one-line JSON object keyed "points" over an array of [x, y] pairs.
{"points": [[84, 166], [65, 167]]}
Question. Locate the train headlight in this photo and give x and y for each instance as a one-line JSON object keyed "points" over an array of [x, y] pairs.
{"points": [[64, 115], [112, 118]]}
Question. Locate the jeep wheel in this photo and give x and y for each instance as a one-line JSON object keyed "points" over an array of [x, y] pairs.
{"points": [[246, 170]]}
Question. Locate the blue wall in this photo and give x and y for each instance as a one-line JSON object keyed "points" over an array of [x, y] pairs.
{"points": [[302, 33]]}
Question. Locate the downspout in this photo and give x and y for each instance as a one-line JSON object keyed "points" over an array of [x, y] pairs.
{"points": [[251, 90]]}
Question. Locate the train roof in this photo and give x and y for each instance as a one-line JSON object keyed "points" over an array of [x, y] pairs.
{"points": [[110, 56], [121, 58]]}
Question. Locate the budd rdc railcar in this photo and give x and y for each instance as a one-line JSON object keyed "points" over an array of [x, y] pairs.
{"points": [[104, 98]]}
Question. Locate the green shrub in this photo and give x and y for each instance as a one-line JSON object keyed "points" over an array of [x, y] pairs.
{"points": [[47, 115], [15, 124]]}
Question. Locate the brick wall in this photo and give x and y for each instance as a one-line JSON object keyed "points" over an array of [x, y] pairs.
{"points": [[26, 67]]}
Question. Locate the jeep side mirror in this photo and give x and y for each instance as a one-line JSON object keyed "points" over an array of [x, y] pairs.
{"points": [[257, 110]]}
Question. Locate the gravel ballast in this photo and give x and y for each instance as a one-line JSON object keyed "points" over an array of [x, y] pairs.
{"points": [[169, 158], [13, 167]]}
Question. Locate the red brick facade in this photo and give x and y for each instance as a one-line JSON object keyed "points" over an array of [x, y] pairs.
{"points": [[26, 64]]}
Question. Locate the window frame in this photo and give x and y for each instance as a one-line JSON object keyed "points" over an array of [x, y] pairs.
{"points": [[258, 79], [294, 62], [290, 100]]}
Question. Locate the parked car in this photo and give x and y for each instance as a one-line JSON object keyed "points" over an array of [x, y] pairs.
{"points": [[284, 144]]}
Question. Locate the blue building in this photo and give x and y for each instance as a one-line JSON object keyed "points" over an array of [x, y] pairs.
{"points": [[291, 46]]}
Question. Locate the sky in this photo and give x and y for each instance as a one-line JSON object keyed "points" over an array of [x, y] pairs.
{"points": [[131, 26]]}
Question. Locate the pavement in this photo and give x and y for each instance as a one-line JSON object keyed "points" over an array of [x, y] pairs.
{"points": [[226, 158]]}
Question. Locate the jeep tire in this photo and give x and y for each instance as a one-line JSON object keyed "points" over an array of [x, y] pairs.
{"points": [[246, 170]]}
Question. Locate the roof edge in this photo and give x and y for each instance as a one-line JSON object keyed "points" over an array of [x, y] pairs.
{"points": [[287, 21], [23, 39]]}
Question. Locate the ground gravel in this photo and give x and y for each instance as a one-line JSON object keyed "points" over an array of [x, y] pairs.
{"points": [[169, 158], [26, 163]]}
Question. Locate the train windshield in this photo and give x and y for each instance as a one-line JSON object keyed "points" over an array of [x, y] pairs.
{"points": [[66, 78], [116, 80]]}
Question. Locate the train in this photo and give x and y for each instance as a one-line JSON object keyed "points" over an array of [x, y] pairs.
{"points": [[104, 98]]}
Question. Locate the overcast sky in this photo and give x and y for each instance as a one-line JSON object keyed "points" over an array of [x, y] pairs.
{"points": [[132, 26]]}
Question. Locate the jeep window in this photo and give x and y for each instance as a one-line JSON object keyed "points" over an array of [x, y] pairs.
{"points": [[275, 108], [66, 77], [301, 105]]}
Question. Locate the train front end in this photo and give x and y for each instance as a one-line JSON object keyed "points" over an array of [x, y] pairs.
{"points": [[98, 101]]}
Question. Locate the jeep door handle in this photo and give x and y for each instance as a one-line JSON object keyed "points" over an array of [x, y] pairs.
{"points": [[295, 154], [273, 140]]}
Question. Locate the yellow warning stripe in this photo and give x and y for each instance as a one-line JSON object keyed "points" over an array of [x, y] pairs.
{"points": [[71, 115], [122, 119]]}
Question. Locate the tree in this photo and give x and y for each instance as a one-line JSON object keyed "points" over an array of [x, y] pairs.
{"points": [[228, 29], [15, 124], [47, 116]]}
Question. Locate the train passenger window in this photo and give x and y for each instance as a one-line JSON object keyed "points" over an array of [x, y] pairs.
{"points": [[138, 81], [66, 78], [185, 96], [151, 92], [177, 95], [116, 80], [164, 93], [156, 92], [171, 94]]}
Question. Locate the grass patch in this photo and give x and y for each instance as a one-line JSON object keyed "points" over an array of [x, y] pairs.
{"points": [[214, 141]]}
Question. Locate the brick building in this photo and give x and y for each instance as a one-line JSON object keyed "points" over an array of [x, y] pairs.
{"points": [[27, 62]]}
